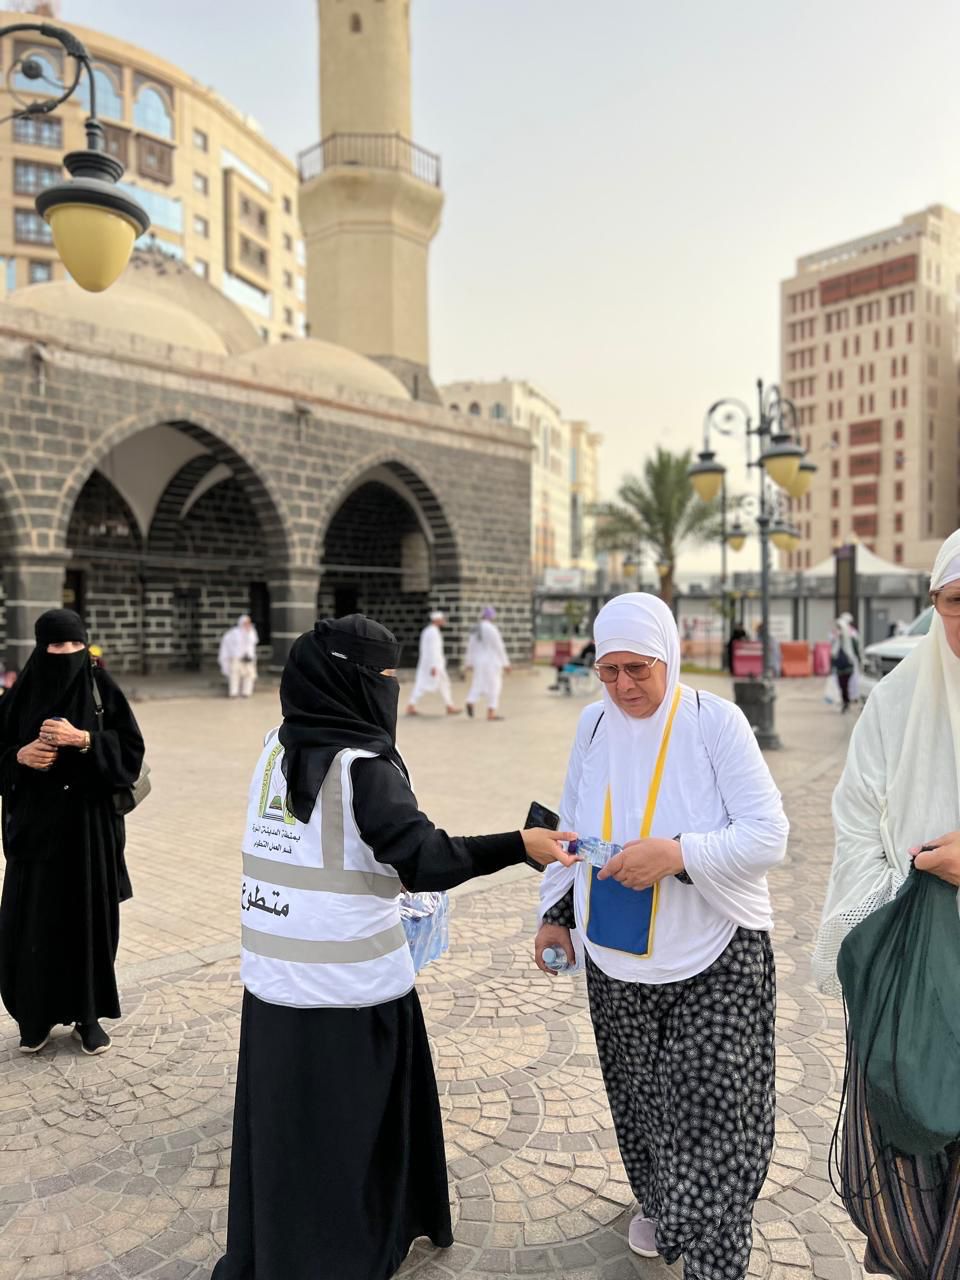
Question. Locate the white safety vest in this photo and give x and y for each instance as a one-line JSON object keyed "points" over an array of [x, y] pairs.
{"points": [[320, 915]]}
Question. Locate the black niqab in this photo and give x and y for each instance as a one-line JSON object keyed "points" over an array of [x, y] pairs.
{"points": [[333, 699], [51, 684]]}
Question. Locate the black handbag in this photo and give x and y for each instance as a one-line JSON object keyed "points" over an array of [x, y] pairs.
{"points": [[125, 799]]}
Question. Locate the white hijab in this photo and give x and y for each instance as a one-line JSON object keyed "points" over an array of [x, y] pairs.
{"points": [[901, 784], [642, 624]]}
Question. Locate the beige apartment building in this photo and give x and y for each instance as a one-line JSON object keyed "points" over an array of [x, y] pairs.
{"points": [[219, 196], [563, 467], [870, 334]]}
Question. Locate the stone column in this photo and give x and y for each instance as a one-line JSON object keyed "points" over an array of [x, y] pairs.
{"points": [[293, 608], [31, 585]]}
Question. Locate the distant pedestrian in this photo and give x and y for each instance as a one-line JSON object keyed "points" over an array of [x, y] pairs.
{"points": [[487, 659], [432, 667], [846, 660], [61, 765], [739, 633], [238, 657]]}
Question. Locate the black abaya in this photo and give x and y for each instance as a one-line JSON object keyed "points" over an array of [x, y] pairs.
{"points": [[65, 875], [338, 1161]]}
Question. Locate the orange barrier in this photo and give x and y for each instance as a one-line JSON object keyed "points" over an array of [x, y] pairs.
{"points": [[796, 658]]}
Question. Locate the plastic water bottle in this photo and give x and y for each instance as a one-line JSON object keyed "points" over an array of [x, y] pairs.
{"points": [[556, 958]]}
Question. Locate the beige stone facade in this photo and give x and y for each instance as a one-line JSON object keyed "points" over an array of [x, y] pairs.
{"points": [[219, 196], [370, 200], [869, 335], [563, 467]]}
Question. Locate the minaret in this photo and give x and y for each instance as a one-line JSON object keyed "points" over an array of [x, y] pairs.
{"points": [[370, 200]]}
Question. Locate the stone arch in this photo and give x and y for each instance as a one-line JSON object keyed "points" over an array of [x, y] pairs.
{"points": [[222, 443], [417, 489], [15, 525], [389, 550]]}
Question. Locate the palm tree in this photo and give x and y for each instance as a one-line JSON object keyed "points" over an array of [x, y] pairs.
{"points": [[660, 510]]}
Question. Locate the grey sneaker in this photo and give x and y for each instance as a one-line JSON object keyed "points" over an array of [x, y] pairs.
{"points": [[642, 1237], [93, 1039]]}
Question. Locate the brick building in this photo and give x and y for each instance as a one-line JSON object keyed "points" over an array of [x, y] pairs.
{"points": [[164, 471]]}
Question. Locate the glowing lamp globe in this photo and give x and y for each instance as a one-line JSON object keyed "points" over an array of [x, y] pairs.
{"points": [[781, 537], [94, 224], [737, 537], [782, 460], [706, 475]]}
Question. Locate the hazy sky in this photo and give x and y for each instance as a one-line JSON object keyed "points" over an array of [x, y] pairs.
{"points": [[626, 182]]}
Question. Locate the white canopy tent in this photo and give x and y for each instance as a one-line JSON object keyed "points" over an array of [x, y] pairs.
{"points": [[867, 563]]}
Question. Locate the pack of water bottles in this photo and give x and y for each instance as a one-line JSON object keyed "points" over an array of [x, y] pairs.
{"points": [[426, 922]]}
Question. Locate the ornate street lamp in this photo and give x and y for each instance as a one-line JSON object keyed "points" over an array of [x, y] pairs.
{"points": [[94, 224], [782, 461]]}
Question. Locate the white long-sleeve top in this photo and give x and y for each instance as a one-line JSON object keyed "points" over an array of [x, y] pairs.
{"points": [[718, 794]]}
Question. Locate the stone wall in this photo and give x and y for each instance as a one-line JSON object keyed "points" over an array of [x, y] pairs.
{"points": [[290, 473]]}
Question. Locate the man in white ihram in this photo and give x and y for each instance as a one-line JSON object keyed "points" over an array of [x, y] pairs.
{"points": [[487, 658], [432, 668], [238, 657]]}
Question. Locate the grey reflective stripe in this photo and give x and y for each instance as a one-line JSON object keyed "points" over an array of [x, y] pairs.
{"points": [[322, 879], [304, 951], [331, 815]]}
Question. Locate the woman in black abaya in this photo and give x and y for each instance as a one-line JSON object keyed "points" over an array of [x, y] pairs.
{"points": [[63, 838], [338, 1159]]}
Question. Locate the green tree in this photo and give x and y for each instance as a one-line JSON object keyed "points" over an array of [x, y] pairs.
{"points": [[658, 510]]}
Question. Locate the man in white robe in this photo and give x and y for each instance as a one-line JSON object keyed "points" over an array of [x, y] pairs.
{"points": [[432, 668], [238, 657], [487, 658]]}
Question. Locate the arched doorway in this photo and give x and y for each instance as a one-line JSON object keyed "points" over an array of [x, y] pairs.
{"points": [[170, 539], [389, 552]]}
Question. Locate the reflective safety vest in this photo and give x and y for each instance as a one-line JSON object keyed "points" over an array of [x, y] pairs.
{"points": [[320, 915]]}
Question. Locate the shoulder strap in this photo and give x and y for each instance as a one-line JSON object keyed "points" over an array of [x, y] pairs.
{"points": [[97, 700]]}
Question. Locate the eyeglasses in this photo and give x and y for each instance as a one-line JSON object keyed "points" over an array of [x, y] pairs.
{"points": [[947, 603], [636, 671]]}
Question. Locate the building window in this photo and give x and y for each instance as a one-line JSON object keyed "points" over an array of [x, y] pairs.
{"points": [[49, 64], [254, 215], [162, 211], [154, 160], [257, 258], [248, 295], [288, 279], [109, 101], [39, 272], [898, 552], [287, 205], [474, 409], [118, 143], [201, 226], [30, 228], [200, 140], [201, 269], [898, 522], [29, 178], [356, 23], [499, 411], [201, 184], [287, 316], [151, 112], [835, 528], [288, 243], [834, 497], [38, 132], [835, 468], [454, 408], [898, 491]]}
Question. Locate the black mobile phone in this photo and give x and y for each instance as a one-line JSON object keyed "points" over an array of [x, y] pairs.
{"points": [[538, 815]]}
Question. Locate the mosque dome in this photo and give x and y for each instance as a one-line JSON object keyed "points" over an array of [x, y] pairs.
{"points": [[326, 364], [133, 306]]}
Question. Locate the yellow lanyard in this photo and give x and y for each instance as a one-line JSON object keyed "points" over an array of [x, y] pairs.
{"points": [[654, 791]]}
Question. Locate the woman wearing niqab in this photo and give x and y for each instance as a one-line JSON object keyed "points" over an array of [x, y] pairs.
{"points": [[338, 1158], [679, 966], [63, 839], [900, 790]]}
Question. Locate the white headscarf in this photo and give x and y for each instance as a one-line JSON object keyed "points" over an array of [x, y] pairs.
{"points": [[901, 784], [642, 624]]}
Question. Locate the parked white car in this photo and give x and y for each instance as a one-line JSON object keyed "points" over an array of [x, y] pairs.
{"points": [[880, 659]]}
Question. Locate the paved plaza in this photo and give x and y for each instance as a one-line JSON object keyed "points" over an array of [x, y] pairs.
{"points": [[117, 1167]]}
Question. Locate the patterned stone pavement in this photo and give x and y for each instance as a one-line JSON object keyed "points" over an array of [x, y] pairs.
{"points": [[117, 1166]]}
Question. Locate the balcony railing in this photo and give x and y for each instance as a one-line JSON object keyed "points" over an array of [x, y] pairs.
{"points": [[370, 151]]}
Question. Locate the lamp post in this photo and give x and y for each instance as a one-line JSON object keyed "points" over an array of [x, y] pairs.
{"points": [[94, 224], [782, 461]]}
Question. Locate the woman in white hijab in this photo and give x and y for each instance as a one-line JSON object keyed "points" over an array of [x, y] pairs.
{"points": [[675, 928], [900, 790]]}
